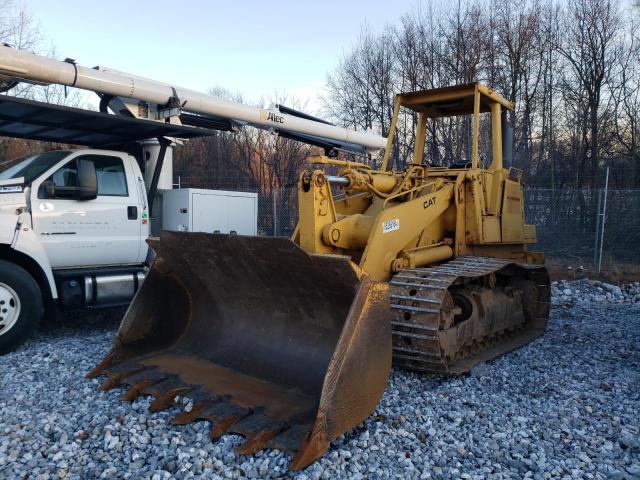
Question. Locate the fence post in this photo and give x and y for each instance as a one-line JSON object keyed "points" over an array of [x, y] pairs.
{"points": [[275, 212], [596, 243], [604, 218]]}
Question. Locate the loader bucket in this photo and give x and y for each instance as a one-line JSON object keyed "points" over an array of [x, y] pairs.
{"points": [[287, 349]]}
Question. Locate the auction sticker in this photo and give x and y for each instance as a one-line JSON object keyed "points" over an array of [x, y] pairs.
{"points": [[391, 225]]}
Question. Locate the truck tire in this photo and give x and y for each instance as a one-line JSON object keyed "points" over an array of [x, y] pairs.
{"points": [[20, 306]]}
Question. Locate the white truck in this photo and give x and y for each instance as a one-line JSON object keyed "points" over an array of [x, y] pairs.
{"points": [[73, 230], [73, 223]]}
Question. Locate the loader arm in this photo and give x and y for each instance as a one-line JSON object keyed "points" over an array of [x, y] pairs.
{"points": [[396, 226]]}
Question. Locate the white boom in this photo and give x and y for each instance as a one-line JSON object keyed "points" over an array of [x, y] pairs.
{"points": [[19, 65]]}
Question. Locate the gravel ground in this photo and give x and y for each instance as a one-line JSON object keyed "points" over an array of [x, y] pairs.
{"points": [[565, 406]]}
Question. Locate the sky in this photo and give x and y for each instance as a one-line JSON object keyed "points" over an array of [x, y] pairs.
{"points": [[260, 49]]}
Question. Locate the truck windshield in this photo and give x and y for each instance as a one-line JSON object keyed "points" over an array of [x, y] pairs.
{"points": [[32, 167]]}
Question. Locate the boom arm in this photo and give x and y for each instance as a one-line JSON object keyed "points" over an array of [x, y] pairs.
{"points": [[21, 66]]}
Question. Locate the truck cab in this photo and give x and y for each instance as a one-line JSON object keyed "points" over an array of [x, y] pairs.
{"points": [[73, 225]]}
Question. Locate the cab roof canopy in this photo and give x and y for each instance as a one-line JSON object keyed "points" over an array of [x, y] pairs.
{"points": [[470, 99], [452, 101]]}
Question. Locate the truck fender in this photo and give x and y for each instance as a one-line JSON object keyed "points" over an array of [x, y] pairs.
{"points": [[26, 241], [8, 224]]}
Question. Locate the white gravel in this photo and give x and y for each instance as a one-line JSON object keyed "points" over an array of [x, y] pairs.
{"points": [[565, 406]]}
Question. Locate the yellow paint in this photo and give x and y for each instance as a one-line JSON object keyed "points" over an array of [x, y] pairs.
{"points": [[389, 220]]}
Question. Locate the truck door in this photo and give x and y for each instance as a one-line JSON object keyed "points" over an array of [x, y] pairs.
{"points": [[103, 231]]}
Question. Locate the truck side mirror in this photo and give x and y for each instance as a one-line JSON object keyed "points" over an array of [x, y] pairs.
{"points": [[87, 180], [85, 188], [47, 190]]}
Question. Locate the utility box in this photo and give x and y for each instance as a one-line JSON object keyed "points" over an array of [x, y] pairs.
{"points": [[210, 211]]}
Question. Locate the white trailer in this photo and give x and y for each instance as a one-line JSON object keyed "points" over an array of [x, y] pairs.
{"points": [[210, 211], [74, 223]]}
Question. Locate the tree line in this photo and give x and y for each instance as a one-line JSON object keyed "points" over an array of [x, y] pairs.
{"points": [[572, 68], [20, 29]]}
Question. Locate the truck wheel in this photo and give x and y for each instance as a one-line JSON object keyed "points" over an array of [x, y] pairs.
{"points": [[20, 306]]}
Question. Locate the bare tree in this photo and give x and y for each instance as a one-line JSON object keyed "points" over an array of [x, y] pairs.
{"points": [[517, 27], [626, 96], [19, 29], [589, 46]]}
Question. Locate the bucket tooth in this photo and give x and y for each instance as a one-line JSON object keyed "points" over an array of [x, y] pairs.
{"points": [[167, 386], [135, 391], [223, 415], [141, 381], [259, 441], [167, 399], [111, 358], [200, 402], [223, 425], [145, 374], [113, 381], [184, 418], [110, 384], [258, 430], [199, 397], [289, 440], [165, 393], [116, 377]]}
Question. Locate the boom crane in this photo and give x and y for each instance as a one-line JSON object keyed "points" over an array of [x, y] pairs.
{"points": [[154, 100]]}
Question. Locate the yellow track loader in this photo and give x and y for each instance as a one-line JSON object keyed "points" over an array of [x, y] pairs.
{"points": [[289, 342]]}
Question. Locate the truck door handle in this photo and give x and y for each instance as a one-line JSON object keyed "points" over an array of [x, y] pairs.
{"points": [[132, 212]]}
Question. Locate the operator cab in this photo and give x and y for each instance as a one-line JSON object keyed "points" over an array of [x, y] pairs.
{"points": [[456, 101]]}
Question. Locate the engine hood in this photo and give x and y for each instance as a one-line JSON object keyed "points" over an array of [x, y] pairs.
{"points": [[12, 185]]}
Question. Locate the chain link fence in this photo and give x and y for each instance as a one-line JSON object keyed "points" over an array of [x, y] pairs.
{"points": [[574, 223], [569, 221]]}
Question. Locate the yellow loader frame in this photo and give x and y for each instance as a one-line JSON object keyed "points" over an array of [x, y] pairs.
{"points": [[387, 220]]}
